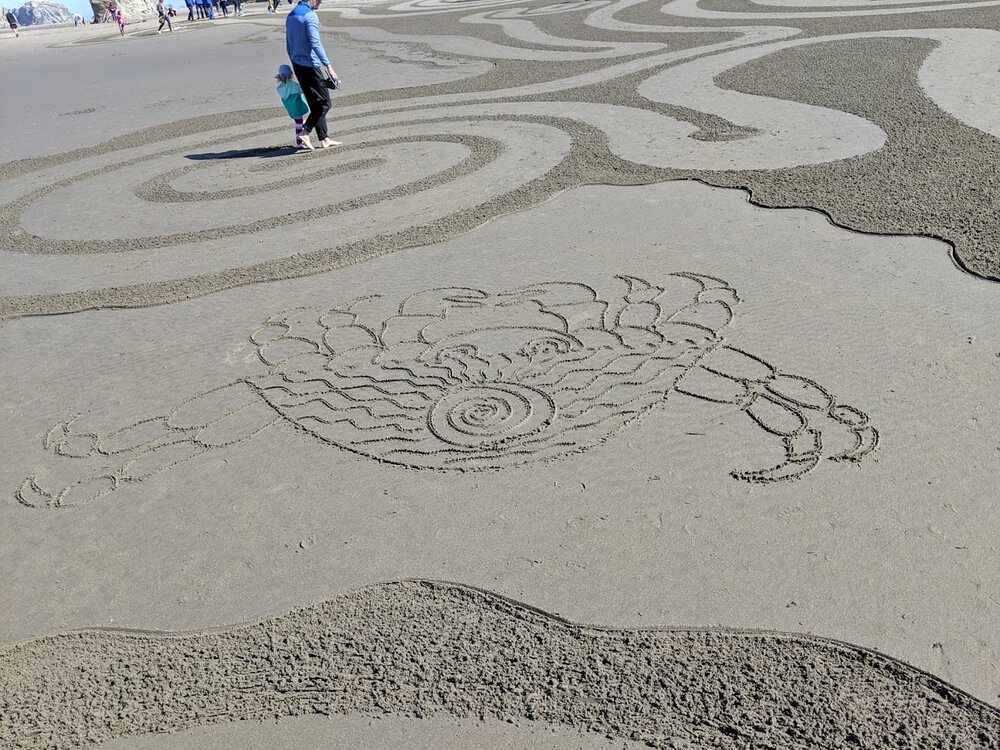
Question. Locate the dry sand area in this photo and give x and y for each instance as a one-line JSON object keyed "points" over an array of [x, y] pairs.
{"points": [[628, 378]]}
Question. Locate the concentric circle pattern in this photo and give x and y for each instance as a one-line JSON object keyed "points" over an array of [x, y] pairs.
{"points": [[491, 416], [579, 93]]}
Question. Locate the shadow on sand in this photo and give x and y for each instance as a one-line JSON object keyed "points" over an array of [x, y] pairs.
{"points": [[246, 153]]}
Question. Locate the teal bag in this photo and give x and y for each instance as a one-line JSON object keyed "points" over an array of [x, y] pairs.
{"points": [[296, 105], [293, 99]]}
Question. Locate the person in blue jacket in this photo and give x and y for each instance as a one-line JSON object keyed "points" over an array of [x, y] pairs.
{"points": [[312, 68]]}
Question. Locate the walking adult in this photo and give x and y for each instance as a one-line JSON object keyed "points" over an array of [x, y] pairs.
{"points": [[12, 22], [312, 67]]}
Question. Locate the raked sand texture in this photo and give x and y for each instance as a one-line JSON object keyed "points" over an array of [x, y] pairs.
{"points": [[518, 334], [427, 649]]}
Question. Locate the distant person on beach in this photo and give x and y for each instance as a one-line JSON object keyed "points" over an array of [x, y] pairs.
{"points": [[225, 10], [77, 19], [12, 22], [312, 67], [190, 7], [238, 7], [295, 103], [270, 7], [120, 20], [161, 11], [112, 10]]}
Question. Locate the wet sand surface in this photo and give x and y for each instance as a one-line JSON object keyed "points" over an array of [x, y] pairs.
{"points": [[668, 333]]}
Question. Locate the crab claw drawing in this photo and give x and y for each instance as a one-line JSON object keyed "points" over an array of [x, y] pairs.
{"points": [[216, 419], [865, 436], [796, 410], [32, 494]]}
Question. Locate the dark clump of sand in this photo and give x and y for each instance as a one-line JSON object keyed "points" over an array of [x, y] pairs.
{"points": [[424, 648]]}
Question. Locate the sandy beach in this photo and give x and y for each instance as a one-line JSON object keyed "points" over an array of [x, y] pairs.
{"points": [[628, 377]]}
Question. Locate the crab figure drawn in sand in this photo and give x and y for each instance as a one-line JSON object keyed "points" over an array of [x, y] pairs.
{"points": [[465, 379]]}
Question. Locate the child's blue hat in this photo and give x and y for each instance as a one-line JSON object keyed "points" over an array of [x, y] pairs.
{"points": [[284, 70]]}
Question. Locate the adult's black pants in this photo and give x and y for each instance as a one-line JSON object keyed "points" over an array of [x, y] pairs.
{"points": [[318, 97]]}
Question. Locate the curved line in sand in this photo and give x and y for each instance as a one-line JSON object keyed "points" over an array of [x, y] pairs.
{"points": [[974, 96], [692, 9], [418, 647], [479, 49]]}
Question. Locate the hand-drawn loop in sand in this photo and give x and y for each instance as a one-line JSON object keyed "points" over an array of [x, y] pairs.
{"points": [[226, 195], [805, 8], [441, 165], [421, 8], [422, 168], [468, 379], [425, 648], [488, 415], [547, 10], [173, 213]]}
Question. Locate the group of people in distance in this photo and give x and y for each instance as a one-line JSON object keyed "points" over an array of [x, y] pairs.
{"points": [[117, 14], [209, 8], [164, 12]]}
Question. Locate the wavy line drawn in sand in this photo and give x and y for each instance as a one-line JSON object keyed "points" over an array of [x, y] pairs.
{"points": [[693, 9], [465, 379], [635, 119], [427, 648]]}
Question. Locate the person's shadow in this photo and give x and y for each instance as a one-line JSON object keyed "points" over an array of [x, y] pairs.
{"points": [[246, 153]]}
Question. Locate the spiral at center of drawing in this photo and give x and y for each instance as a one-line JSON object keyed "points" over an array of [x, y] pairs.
{"points": [[488, 415]]}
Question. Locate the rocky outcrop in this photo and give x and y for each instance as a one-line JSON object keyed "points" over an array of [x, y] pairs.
{"points": [[37, 13], [134, 10]]}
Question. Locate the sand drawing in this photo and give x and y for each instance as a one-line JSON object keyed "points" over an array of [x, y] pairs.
{"points": [[553, 96], [465, 121], [426, 648], [467, 379]]}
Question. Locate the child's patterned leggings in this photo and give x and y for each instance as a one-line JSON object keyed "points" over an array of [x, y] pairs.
{"points": [[300, 124]]}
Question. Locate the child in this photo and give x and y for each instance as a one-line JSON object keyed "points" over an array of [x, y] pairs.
{"points": [[164, 15], [295, 104], [120, 20]]}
